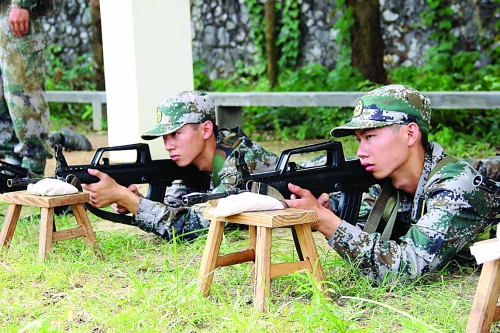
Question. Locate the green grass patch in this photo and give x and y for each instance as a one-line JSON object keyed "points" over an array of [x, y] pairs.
{"points": [[144, 284]]}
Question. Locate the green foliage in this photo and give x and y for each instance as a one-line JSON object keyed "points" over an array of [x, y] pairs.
{"points": [[288, 35], [200, 77], [454, 130], [288, 41], [295, 123], [444, 69], [256, 12], [491, 45], [343, 24], [79, 76], [307, 122]]}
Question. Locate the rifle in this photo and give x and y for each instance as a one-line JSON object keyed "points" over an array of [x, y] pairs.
{"points": [[336, 175], [159, 174]]}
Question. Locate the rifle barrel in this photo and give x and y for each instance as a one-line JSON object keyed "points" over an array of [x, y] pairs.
{"points": [[198, 197]]}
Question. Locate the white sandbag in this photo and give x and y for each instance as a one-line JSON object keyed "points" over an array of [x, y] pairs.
{"points": [[245, 202], [51, 187]]}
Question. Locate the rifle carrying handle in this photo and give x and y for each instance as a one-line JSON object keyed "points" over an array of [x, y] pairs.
{"points": [[334, 154], [142, 149]]}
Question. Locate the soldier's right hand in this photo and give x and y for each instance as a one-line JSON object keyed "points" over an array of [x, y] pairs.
{"points": [[104, 192], [19, 21]]}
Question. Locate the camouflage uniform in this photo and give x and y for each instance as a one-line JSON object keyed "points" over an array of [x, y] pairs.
{"points": [[446, 213], [24, 115], [164, 219]]}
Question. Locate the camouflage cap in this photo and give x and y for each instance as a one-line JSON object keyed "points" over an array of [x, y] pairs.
{"points": [[187, 107], [388, 105]]}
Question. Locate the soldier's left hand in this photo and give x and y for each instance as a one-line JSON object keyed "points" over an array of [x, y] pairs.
{"points": [[324, 200], [122, 210]]}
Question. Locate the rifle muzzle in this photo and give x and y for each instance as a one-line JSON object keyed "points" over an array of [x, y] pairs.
{"points": [[21, 181], [487, 184]]}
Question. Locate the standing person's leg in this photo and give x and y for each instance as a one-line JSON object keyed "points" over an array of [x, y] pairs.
{"points": [[23, 75], [8, 138]]}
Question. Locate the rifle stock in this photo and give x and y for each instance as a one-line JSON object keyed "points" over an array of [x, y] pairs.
{"points": [[336, 175]]}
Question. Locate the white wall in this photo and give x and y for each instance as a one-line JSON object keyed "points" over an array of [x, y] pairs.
{"points": [[147, 57]]}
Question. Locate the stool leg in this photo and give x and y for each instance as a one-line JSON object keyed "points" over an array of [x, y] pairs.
{"points": [[210, 255], [9, 224], [252, 233], [83, 220], [308, 248], [46, 231], [262, 268], [486, 298]]}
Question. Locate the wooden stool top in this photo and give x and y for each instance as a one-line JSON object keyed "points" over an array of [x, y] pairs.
{"points": [[270, 218], [26, 199]]}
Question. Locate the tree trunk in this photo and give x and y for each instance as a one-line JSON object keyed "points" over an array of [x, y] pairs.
{"points": [[95, 11], [272, 63], [366, 40]]}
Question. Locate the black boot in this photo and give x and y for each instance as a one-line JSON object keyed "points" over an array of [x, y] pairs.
{"points": [[70, 140]]}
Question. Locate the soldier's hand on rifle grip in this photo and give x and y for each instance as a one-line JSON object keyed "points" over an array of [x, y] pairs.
{"points": [[327, 220], [302, 198], [107, 192], [104, 192]]}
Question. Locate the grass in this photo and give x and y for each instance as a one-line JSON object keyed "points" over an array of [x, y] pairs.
{"points": [[143, 284]]}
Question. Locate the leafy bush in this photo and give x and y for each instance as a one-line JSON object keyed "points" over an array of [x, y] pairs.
{"points": [[78, 77], [201, 79]]}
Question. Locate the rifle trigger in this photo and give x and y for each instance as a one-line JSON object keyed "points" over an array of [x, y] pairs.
{"points": [[265, 189], [248, 185], [73, 180]]}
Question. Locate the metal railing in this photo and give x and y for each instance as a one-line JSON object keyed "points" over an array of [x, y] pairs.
{"points": [[96, 98], [230, 105]]}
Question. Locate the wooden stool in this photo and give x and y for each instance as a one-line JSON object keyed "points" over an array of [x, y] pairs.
{"points": [[261, 225], [48, 233], [485, 308]]}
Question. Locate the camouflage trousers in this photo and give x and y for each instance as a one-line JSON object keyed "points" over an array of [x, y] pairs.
{"points": [[24, 114]]}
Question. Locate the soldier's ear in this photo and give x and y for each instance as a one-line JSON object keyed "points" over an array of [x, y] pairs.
{"points": [[208, 129], [413, 131]]}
